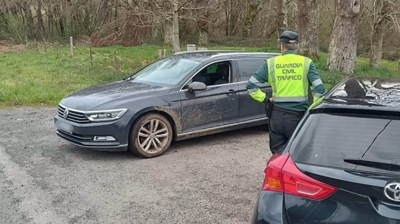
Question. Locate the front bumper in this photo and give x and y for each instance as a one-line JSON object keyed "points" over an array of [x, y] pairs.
{"points": [[83, 135]]}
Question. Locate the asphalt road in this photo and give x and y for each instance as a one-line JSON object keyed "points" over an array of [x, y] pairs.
{"points": [[44, 179]]}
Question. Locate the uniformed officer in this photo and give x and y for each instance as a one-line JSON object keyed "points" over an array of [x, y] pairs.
{"points": [[290, 76]]}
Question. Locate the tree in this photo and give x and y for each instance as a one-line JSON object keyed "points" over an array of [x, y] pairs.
{"points": [[342, 52], [253, 7], [282, 16], [383, 11], [287, 15], [175, 26], [308, 28], [233, 14]]}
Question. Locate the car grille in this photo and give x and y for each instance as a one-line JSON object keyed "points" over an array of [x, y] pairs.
{"points": [[72, 115]]}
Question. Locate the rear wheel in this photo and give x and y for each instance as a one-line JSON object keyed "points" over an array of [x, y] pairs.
{"points": [[151, 136]]}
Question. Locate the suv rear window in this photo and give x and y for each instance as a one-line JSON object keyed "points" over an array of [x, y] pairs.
{"points": [[327, 139], [247, 67]]}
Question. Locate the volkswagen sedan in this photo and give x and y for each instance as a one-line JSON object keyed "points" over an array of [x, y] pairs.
{"points": [[186, 95]]}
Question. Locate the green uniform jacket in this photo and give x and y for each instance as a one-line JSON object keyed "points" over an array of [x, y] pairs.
{"points": [[261, 76]]}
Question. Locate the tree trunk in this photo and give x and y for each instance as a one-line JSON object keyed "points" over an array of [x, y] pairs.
{"points": [[168, 32], [282, 13], [156, 31], [203, 38], [175, 27], [252, 9], [381, 10], [6, 9], [233, 13], [308, 28], [342, 51], [29, 21], [115, 14], [292, 17], [40, 19]]}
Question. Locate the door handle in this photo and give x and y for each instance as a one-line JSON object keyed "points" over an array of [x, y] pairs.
{"points": [[231, 91]]}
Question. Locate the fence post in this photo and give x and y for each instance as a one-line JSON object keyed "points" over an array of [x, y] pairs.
{"points": [[91, 55], [191, 47], [165, 51], [116, 62], [398, 66], [71, 43], [159, 53], [57, 47]]}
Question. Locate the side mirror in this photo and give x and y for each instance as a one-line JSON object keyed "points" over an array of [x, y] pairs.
{"points": [[196, 86]]}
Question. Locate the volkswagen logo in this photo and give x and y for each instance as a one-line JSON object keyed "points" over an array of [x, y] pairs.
{"points": [[392, 191], [65, 113]]}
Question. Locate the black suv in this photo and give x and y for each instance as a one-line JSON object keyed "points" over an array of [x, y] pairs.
{"points": [[186, 95], [342, 163]]}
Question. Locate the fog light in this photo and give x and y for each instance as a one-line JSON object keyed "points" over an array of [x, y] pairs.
{"points": [[104, 138]]}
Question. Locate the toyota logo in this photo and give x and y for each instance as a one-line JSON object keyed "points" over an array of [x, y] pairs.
{"points": [[392, 191], [65, 113]]}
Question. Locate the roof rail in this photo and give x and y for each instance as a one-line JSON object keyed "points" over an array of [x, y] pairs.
{"points": [[246, 53], [205, 51]]}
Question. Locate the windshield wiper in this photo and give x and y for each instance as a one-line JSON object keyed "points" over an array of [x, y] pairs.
{"points": [[379, 164]]}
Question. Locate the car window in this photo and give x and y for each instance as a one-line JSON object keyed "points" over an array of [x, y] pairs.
{"points": [[214, 74], [327, 139], [247, 67], [212, 68], [167, 71]]}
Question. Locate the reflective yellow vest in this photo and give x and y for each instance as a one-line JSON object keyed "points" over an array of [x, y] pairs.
{"points": [[287, 75]]}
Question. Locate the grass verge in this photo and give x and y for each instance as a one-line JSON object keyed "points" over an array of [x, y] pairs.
{"points": [[44, 77]]}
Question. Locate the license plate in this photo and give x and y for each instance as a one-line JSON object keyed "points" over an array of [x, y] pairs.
{"points": [[64, 126]]}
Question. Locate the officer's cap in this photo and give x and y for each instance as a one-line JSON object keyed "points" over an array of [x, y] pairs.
{"points": [[289, 37]]}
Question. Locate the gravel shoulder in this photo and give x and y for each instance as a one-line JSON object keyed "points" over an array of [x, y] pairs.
{"points": [[44, 179]]}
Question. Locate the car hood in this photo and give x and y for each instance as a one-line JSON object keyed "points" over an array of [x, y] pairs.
{"points": [[111, 96]]}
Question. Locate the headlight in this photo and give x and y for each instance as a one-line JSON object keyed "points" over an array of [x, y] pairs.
{"points": [[106, 115]]}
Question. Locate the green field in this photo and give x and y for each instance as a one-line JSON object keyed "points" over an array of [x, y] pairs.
{"points": [[44, 77]]}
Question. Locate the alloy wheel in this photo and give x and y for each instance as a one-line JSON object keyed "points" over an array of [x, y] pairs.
{"points": [[153, 136]]}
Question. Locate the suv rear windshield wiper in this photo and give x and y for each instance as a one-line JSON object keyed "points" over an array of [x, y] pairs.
{"points": [[379, 164]]}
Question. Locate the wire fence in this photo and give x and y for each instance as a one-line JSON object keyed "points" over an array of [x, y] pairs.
{"points": [[86, 55], [123, 64]]}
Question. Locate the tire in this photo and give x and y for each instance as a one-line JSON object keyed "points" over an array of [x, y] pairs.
{"points": [[151, 135]]}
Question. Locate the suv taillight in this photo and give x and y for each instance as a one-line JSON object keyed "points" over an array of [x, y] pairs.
{"points": [[282, 175]]}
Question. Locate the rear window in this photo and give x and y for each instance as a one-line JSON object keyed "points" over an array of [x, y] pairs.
{"points": [[247, 67], [327, 139]]}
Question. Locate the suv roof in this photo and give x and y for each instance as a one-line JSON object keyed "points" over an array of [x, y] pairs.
{"points": [[366, 93]]}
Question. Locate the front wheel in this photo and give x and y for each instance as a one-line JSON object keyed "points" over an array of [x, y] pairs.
{"points": [[151, 136]]}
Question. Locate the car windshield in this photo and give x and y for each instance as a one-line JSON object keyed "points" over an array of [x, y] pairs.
{"points": [[168, 71]]}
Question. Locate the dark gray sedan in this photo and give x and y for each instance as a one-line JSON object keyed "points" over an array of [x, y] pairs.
{"points": [[186, 95]]}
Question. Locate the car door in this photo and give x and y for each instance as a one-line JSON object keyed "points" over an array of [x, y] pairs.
{"points": [[249, 109], [217, 106]]}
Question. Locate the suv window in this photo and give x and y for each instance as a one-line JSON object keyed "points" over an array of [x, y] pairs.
{"points": [[327, 139], [247, 67], [215, 74]]}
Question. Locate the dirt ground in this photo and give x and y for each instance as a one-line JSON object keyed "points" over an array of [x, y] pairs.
{"points": [[7, 46], [44, 179]]}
